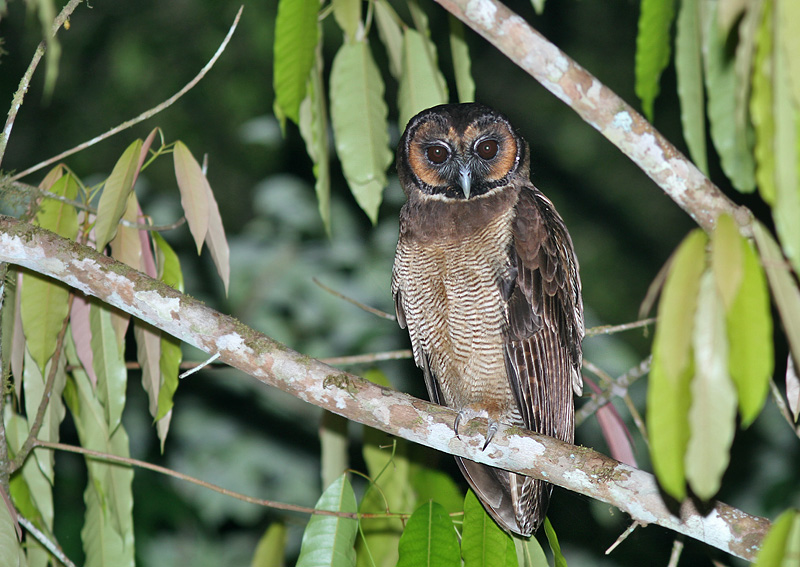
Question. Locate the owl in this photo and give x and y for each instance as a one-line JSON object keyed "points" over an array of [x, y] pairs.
{"points": [[486, 281]]}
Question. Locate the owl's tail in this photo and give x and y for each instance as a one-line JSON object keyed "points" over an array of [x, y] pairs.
{"points": [[516, 502]]}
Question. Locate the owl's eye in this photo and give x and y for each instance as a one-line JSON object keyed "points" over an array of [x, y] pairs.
{"points": [[438, 154], [487, 149]]}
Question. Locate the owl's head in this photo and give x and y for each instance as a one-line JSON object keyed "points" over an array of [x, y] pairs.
{"points": [[460, 151]]}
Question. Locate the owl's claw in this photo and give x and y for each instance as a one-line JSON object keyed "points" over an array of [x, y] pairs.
{"points": [[469, 414]]}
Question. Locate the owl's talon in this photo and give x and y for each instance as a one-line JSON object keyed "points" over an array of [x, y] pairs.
{"points": [[490, 433]]}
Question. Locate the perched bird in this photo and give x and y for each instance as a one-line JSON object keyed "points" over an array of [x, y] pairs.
{"points": [[486, 280]]}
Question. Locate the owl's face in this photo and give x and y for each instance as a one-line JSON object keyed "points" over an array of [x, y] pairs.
{"points": [[460, 151]]}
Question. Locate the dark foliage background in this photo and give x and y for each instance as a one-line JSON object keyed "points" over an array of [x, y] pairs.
{"points": [[120, 58]]}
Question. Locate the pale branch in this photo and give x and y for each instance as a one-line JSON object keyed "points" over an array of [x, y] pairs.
{"points": [[600, 107], [575, 468]]}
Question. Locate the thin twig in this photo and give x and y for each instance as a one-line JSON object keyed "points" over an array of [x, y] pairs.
{"points": [[365, 307], [620, 387], [611, 329], [29, 443], [782, 407], [367, 358], [623, 536], [51, 546], [199, 366], [24, 83], [144, 115], [675, 555], [131, 462]]}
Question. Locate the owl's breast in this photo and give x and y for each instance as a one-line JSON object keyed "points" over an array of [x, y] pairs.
{"points": [[448, 276]]}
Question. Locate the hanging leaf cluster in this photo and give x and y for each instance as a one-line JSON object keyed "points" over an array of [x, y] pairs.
{"points": [[736, 63], [66, 352], [712, 356], [357, 111]]}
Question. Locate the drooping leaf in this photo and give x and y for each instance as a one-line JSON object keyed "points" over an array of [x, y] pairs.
{"points": [[82, 334], [689, 71], [729, 128], [431, 483], [786, 210], [727, 258], [789, 43], [314, 129], [37, 492], [333, 444], [462, 64], [114, 198], [668, 395], [44, 302], [421, 84], [783, 286], [712, 415], [555, 547], [11, 553], [358, 114], [749, 324], [429, 539], [347, 14], [271, 548], [109, 364], [538, 5], [126, 246], [761, 98], [792, 388], [194, 189], [652, 49], [391, 36], [295, 42], [216, 240], [482, 542], [781, 546], [328, 540]]}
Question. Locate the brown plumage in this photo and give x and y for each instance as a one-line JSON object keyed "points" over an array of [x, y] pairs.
{"points": [[486, 281]]}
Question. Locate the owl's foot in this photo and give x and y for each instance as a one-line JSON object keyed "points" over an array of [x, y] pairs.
{"points": [[467, 414]]}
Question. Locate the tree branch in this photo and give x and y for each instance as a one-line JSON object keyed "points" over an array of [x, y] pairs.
{"points": [[575, 468], [601, 108]]}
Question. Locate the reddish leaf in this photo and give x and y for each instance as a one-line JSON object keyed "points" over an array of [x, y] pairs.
{"points": [[82, 335], [194, 189], [614, 430], [217, 243]]}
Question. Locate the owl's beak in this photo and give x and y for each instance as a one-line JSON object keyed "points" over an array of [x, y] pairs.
{"points": [[465, 179]]}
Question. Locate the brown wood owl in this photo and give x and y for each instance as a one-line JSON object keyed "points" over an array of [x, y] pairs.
{"points": [[486, 281]]}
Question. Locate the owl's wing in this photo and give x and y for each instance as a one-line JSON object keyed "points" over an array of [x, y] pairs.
{"points": [[545, 318]]}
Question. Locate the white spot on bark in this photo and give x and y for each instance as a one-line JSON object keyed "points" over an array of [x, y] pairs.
{"points": [[623, 121], [231, 342], [163, 306], [481, 12]]}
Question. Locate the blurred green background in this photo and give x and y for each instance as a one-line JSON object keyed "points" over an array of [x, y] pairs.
{"points": [[121, 58]]}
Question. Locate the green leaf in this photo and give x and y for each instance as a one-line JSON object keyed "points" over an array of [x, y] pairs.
{"points": [[115, 194], [555, 547], [328, 540], [652, 49], [712, 416], [431, 483], [11, 553], [314, 129], [358, 114], [421, 84], [109, 364], [391, 36], [429, 539], [538, 6], [530, 552], [668, 395], [749, 323], [762, 117], [689, 71], [347, 14], [786, 210], [727, 115], [462, 64], [36, 496], [788, 41], [482, 541], [781, 545], [333, 445], [783, 285], [727, 258], [295, 42], [44, 302], [194, 189], [271, 548], [107, 533]]}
